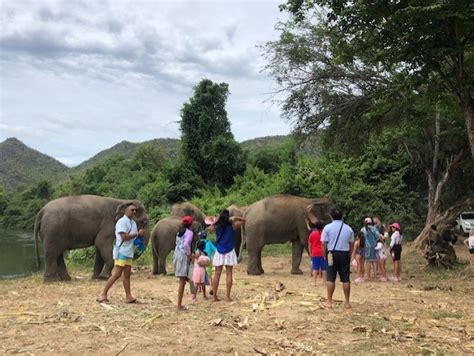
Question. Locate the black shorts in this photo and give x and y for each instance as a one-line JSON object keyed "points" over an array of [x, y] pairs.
{"points": [[342, 265], [396, 252], [471, 251]]}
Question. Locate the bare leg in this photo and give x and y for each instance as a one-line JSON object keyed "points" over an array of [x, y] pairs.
{"points": [[228, 280], [116, 273], [324, 277], [204, 291], [127, 272], [182, 284], [215, 282], [314, 277], [331, 286], [347, 293]]}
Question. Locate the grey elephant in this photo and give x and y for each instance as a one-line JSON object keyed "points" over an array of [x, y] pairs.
{"points": [[183, 209], [75, 222], [278, 219], [163, 240]]}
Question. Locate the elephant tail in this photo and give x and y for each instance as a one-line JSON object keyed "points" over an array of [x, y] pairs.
{"points": [[36, 230]]}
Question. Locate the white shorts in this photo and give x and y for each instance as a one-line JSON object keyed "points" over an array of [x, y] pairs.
{"points": [[225, 259]]}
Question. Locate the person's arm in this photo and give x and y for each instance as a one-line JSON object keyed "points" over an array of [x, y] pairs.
{"points": [[324, 248], [309, 245], [351, 243], [466, 242]]}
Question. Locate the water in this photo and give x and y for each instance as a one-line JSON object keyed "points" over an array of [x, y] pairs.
{"points": [[17, 253]]}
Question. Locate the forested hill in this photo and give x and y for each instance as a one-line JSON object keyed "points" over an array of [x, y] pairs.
{"points": [[169, 147], [21, 165]]}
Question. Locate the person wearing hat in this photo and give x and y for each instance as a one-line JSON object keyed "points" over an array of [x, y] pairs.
{"points": [[182, 257], [225, 252], [396, 250]]}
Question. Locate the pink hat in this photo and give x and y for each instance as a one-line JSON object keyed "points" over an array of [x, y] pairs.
{"points": [[396, 226], [368, 220], [210, 220]]}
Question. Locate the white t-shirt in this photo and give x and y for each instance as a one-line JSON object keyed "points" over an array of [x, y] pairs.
{"points": [[125, 248]]}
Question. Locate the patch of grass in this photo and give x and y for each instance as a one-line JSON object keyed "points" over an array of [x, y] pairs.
{"points": [[445, 314]]}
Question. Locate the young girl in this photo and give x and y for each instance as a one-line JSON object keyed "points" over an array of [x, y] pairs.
{"points": [[317, 257], [381, 257], [182, 255], [199, 272], [358, 255], [396, 250], [209, 249], [371, 236]]}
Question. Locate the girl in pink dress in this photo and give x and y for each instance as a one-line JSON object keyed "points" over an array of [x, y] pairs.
{"points": [[199, 273]]}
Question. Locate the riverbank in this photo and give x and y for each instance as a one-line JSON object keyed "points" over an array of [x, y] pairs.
{"points": [[428, 312]]}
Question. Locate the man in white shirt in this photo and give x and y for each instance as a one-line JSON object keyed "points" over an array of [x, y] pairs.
{"points": [[125, 232], [338, 242]]}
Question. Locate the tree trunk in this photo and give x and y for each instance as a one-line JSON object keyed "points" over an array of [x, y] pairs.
{"points": [[468, 109], [442, 218]]}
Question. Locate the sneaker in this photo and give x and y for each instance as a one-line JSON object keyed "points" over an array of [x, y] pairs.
{"points": [[359, 280], [383, 279], [193, 299]]}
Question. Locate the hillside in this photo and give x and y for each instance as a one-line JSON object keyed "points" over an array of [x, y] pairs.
{"points": [[169, 147], [20, 164], [260, 143]]}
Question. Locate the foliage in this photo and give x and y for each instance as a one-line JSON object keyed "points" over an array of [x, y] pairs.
{"points": [[208, 146]]}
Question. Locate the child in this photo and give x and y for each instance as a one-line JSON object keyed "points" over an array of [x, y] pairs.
{"points": [[396, 250], [209, 249], [358, 255], [199, 273], [381, 257], [317, 256], [182, 254], [469, 242]]}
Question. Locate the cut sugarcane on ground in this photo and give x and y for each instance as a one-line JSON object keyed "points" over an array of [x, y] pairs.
{"points": [[430, 311]]}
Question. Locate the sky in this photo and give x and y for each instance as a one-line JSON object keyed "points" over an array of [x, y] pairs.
{"points": [[77, 77]]}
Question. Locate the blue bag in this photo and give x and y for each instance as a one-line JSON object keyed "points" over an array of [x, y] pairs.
{"points": [[138, 247]]}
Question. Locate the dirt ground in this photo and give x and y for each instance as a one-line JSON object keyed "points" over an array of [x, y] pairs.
{"points": [[428, 312]]}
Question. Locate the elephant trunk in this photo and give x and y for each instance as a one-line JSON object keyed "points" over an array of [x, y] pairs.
{"points": [[37, 227]]}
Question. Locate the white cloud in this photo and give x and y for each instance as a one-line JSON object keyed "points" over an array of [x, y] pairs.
{"points": [[80, 76]]}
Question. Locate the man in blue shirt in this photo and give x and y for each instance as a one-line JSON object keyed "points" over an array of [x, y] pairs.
{"points": [[338, 242]]}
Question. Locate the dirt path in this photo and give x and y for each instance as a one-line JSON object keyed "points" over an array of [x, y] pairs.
{"points": [[426, 313]]}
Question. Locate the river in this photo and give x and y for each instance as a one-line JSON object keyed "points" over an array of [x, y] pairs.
{"points": [[17, 253]]}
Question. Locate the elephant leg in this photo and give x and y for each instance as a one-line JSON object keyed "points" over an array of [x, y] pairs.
{"points": [[254, 264], [296, 257], [260, 267], [104, 248], [51, 267], [98, 265], [161, 262], [62, 270]]}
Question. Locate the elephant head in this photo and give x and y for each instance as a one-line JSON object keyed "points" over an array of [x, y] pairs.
{"points": [[183, 209], [319, 210]]}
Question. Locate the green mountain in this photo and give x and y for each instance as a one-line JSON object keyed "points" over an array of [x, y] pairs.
{"points": [[20, 164], [169, 147], [256, 144]]}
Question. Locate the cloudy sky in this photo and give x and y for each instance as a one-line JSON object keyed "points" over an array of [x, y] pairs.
{"points": [[77, 77]]}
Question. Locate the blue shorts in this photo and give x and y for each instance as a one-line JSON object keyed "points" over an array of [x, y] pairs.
{"points": [[319, 263]]}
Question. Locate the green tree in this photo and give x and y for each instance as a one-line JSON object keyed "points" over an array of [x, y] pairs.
{"points": [[208, 146], [420, 39]]}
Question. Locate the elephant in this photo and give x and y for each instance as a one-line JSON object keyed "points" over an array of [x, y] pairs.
{"points": [[277, 219], [75, 222], [183, 209], [163, 240], [235, 210]]}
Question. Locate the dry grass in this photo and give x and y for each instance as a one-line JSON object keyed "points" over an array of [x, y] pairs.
{"points": [[429, 312]]}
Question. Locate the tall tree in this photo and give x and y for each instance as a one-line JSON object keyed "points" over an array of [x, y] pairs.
{"points": [[208, 145], [419, 38]]}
